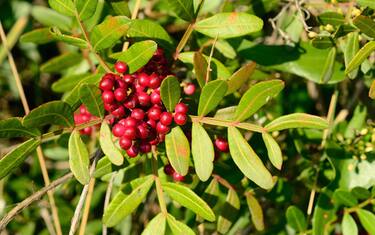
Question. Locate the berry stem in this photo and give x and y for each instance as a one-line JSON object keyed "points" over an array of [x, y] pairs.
{"points": [[159, 189]]}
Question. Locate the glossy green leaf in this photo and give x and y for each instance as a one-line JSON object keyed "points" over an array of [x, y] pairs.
{"points": [[367, 3], [103, 167], [247, 160], [297, 120], [187, 198], [229, 25], [124, 204], [107, 33], [61, 62], [91, 97], [65, 7], [67, 83], [12, 127], [183, 9], [37, 36], [170, 92], [348, 225], [17, 156], [79, 158], [360, 193], [86, 8], [203, 152], [229, 212], [178, 150], [240, 77], [56, 34], [323, 42], [107, 145], [365, 24], [345, 198], [296, 219], [49, 17], [200, 68], [138, 55], [328, 68], [256, 212], [156, 225], [360, 57], [351, 48], [273, 150], [53, 112], [332, 18], [257, 96], [367, 219], [120, 7], [211, 95], [178, 227]]}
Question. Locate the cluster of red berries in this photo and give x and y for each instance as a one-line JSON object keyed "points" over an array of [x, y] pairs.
{"points": [[84, 116], [140, 118], [168, 170]]}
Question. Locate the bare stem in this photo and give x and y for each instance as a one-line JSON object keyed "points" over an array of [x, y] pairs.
{"points": [[133, 16], [159, 189], [302, 17], [107, 199], [86, 210], [184, 40]]}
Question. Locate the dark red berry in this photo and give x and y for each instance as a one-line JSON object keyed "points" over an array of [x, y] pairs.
{"points": [[189, 89], [142, 131], [133, 151], [129, 121], [121, 84], [145, 147], [106, 84], [138, 114], [155, 97], [181, 108], [180, 118], [119, 112], [128, 78], [168, 169], [118, 130], [154, 113], [143, 98], [131, 102], [166, 118], [110, 107], [221, 144], [162, 129], [108, 97], [120, 94], [154, 81], [139, 88], [177, 177], [125, 143], [143, 79], [130, 132], [121, 67], [151, 123]]}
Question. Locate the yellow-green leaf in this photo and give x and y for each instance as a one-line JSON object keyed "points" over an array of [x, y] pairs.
{"points": [[297, 120], [211, 95], [240, 77], [12, 127], [108, 146], [348, 225], [170, 92], [79, 158], [65, 7], [37, 36], [255, 211], [367, 219], [178, 227], [61, 62], [229, 212], [156, 225], [273, 150], [328, 68], [92, 98], [56, 34], [351, 48], [178, 150], [360, 57], [296, 219], [200, 68], [86, 8]]}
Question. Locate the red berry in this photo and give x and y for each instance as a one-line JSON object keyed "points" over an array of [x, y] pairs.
{"points": [[130, 132], [142, 131], [177, 177], [166, 118], [181, 108], [155, 97], [78, 119], [110, 107], [120, 94], [189, 89], [180, 118], [143, 98], [159, 52], [139, 87], [222, 144], [121, 84], [162, 129], [106, 84], [138, 114], [121, 67], [125, 143], [133, 151], [168, 169], [108, 97], [83, 110], [118, 130], [119, 112], [151, 123], [129, 121], [143, 79], [154, 113], [145, 147], [131, 102], [154, 81], [128, 78], [85, 118], [86, 131]]}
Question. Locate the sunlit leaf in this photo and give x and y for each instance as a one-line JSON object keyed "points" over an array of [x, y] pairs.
{"points": [[229, 212], [61, 62], [296, 219], [65, 7], [351, 48], [170, 92], [365, 24], [255, 211], [332, 18], [367, 219], [329, 64], [57, 35], [273, 150], [156, 225], [67, 83], [178, 227], [371, 92], [211, 95], [49, 17], [178, 150], [297, 120], [360, 57], [108, 146], [348, 225], [200, 67], [79, 158], [345, 198], [86, 8], [37, 36], [240, 77]]}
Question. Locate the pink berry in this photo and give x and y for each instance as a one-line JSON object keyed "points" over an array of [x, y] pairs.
{"points": [[143, 98], [128, 78], [86, 131], [222, 144], [180, 118], [166, 118], [83, 110], [129, 121], [154, 113], [121, 67], [189, 89], [181, 108], [143, 79], [154, 81], [177, 177]]}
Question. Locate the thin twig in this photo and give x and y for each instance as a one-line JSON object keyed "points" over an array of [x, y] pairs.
{"points": [[302, 17], [208, 70], [39, 151], [86, 210], [159, 189], [107, 199], [133, 17], [284, 35], [35, 197], [47, 219]]}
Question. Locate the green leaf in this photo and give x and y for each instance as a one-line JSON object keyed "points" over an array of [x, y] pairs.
{"points": [[120, 7], [156, 225], [323, 42], [138, 55], [17, 156], [178, 150], [67, 83], [177, 227], [351, 48], [211, 95], [107, 145], [170, 92], [365, 24], [348, 225], [61, 62], [229, 212], [103, 167], [371, 92], [203, 152], [187, 198], [247, 160], [344, 198], [79, 158], [229, 25], [360, 193], [124, 204], [200, 68], [91, 97], [54, 112], [257, 96], [211, 194], [240, 77], [255, 211], [366, 3], [329, 64], [107, 33], [360, 57], [273, 150], [65, 7], [367, 219], [56, 34], [49, 17], [183, 9], [332, 18], [12, 127], [226, 49], [86, 8], [296, 219], [297, 120], [357, 122], [37, 36]]}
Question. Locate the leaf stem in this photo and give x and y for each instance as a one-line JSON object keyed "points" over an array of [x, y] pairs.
{"points": [[184, 39], [361, 205], [159, 189]]}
